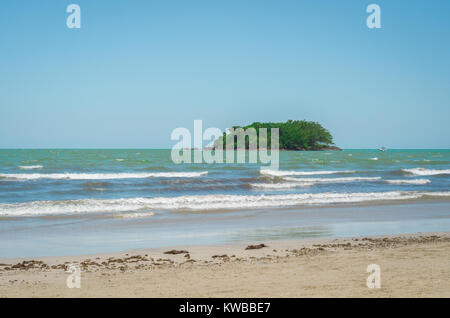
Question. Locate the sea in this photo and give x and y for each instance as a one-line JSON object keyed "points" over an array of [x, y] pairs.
{"points": [[82, 201]]}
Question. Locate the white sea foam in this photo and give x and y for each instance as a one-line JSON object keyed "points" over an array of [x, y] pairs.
{"points": [[135, 215], [275, 186], [201, 202], [307, 182], [278, 173], [426, 172], [438, 194], [374, 158], [331, 180], [409, 181], [31, 167], [101, 176]]}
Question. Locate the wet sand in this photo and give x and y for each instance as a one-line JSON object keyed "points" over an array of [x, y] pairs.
{"points": [[411, 266]]}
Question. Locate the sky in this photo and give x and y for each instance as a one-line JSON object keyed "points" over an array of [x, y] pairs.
{"points": [[136, 70]]}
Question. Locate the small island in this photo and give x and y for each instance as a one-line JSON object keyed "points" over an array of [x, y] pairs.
{"points": [[294, 135]]}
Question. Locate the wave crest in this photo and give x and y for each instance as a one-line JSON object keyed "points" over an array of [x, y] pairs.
{"points": [[413, 181], [274, 186], [202, 202], [278, 173], [305, 182], [31, 167], [331, 180], [426, 172]]}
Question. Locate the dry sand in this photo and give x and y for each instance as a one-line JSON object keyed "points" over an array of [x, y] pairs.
{"points": [[411, 266]]}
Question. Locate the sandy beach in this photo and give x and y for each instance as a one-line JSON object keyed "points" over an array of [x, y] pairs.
{"points": [[415, 265]]}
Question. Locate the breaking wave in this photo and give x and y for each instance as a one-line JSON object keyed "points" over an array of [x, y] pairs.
{"points": [[274, 186], [331, 180], [278, 173], [305, 182], [426, 172], [31, 167], [202, 202], [413, 181]]}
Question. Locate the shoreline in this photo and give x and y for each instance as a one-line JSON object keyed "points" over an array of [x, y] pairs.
{"points": [[412, 265], [91, 234], [237, 246]]}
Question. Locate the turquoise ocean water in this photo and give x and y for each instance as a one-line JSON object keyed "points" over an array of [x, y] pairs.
{"points": [[61, 202]]}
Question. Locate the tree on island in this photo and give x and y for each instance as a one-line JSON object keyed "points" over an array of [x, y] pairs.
{"points": [[293, 135]]}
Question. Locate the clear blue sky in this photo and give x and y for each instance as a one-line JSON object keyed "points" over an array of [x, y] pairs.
{"points": [[138, 69]]}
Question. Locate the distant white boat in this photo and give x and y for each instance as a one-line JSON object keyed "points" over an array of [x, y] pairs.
{"points": [[383, 149]]}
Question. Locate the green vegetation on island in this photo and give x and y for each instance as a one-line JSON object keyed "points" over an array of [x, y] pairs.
{"points": [[293, 135]]}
